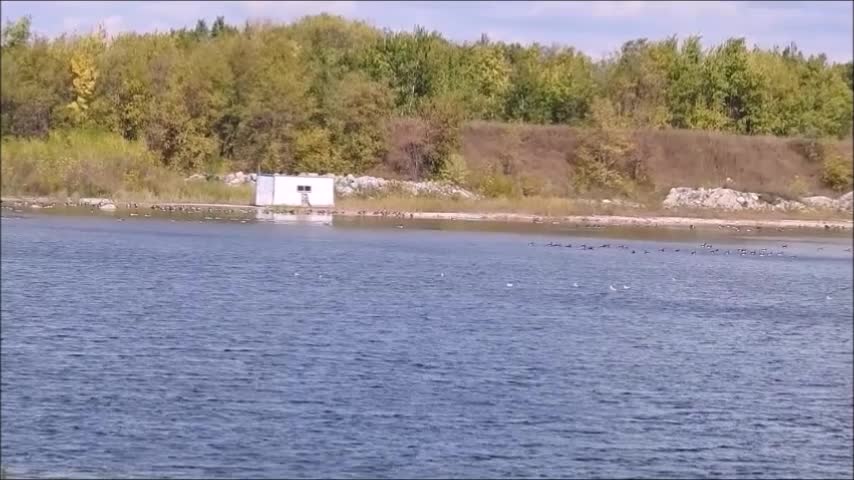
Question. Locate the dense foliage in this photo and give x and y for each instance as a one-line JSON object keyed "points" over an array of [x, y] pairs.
{"points": [[316, 95]]}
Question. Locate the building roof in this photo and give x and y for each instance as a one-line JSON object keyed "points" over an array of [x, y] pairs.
{"points": [[301, 175]]}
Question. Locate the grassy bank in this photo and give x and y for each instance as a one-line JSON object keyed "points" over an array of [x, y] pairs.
{"points": [[95, 164], [535, 158], [74, 164]]}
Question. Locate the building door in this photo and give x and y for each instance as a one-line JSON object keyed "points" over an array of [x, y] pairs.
{"points": [[304, 190], [265, 187]]}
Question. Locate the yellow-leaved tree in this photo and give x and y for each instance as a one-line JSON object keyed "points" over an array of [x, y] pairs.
{"points": [[84, 74]]}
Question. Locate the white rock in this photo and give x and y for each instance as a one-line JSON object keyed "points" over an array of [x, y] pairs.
{"points": [[351, 185], [819, 201], [93, 202], [723, 199], [108, 207], [728, 199], [845, 201]]}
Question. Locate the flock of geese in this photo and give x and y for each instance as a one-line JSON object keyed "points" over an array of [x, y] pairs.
{"points": [[704, 247]]}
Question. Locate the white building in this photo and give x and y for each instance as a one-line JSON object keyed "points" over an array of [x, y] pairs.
{"points": [[295, 191]]}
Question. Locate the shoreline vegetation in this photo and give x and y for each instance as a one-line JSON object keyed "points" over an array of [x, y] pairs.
{"points": [[536, 133], [472, 211]]}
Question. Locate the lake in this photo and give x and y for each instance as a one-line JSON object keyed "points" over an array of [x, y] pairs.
{"points": [[182, 349]]}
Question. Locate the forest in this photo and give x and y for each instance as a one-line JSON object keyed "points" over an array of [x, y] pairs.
{"points": [[319, 95]]}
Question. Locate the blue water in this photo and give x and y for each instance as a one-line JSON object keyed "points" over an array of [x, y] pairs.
{"points": [[186, 350]]}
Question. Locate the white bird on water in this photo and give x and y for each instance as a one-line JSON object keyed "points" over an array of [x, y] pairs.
{"points": [[612, 288], [625, 287], [509, 284], [575, 284]]}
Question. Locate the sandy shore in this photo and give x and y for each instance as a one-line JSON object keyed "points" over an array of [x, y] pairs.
{"points": [[580, 220], [624, 221]]}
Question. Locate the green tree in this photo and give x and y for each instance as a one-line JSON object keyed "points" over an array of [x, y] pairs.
{"points": [[485, 81], [17, 33], [320, 92], [35, 86], [736, 88], [276, 102], [444, 136], [357, 113], [201, 32], [314, 152], [220, 28], [605, 158], [639, 83], [685, 84], [84, 74]]}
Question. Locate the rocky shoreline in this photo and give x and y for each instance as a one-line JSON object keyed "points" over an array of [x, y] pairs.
{"points": [[726, 199], [17, 204], [678, 198], [351, 185]]}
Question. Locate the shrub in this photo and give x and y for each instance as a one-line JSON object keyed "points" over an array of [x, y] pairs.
{"points": [[454, 170], [495, 185], [837, 174], [443, 137], [605, 158], [798, 187], [810, 148], [531, 186]]}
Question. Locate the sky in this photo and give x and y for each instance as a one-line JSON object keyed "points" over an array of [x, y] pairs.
{"points": [[596, 28]]}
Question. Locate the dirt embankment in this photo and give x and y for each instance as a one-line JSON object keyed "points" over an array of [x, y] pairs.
{"points": [[674, 158]]}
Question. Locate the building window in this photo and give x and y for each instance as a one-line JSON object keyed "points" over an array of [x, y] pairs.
{"points": [[304, 188]]}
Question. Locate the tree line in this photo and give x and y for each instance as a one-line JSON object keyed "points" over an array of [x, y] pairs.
{"points": [[317, 94]]}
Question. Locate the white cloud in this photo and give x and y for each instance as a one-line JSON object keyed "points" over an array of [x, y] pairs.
{"points": [[186, 11], [593, 27], [298, 8], [70, 24], [607, 24], [114, 25], [632, 9]]}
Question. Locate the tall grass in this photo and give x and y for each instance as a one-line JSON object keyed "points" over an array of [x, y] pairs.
{"points": [[78, 162], [92, 163]]}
